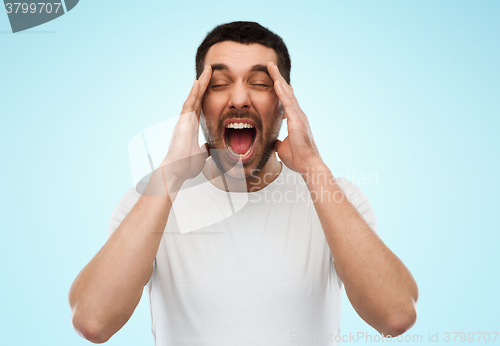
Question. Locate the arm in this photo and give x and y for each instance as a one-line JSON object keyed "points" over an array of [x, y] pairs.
{"points": [[379, 286], [106, 292]]}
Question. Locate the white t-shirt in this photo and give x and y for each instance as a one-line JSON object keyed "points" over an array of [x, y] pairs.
{"points": [[245, 268]]}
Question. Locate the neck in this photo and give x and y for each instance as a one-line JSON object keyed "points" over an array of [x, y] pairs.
{"points": [[255, 182]]}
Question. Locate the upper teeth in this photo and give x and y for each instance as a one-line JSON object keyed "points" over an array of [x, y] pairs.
{"points": [[239, 126]]}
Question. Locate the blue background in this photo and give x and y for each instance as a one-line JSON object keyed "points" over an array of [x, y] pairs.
{"points": [[406, 90]]}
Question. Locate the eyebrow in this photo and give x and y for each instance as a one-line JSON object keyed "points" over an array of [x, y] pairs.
{"points": [[224, 67]]}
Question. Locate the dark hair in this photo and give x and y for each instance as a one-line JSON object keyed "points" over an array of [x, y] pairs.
{"points": [[246, 33]]}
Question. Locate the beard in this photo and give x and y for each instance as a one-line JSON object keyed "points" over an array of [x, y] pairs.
{"points": [[264, 143]]}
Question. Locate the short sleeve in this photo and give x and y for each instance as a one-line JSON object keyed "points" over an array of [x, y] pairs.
{"points": [[122, 209], [357, 198]]}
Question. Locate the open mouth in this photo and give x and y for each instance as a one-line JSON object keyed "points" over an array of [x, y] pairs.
{"points": [[239, 138]]}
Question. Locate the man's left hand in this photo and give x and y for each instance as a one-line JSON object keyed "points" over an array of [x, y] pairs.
{"points": [[298, 150]]}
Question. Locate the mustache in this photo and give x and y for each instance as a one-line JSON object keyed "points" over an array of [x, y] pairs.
{"points": [[236, 114]]}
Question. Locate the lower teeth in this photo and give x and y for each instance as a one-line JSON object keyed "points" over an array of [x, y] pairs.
{"points": [[241, 155]]}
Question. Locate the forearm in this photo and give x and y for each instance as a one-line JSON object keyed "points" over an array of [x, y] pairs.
{"points": [[106, 292], [378, 284]]}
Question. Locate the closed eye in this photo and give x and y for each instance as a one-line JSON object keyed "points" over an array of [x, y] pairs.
{"points": [[262, 85], [259, 85]]}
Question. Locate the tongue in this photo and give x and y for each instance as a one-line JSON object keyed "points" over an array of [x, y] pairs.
{"points": [[240, 140]]}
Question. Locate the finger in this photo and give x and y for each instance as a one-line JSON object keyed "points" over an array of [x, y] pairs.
{"points": [[273, 72], [293, 96], [204, 81], [279, 83], [286, 101], [188, 105], [276, 75]]}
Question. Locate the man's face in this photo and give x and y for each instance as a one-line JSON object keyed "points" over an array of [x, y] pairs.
{"points": [[241, 114]]}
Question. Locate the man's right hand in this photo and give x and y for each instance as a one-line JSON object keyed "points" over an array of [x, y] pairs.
{"points": [[185, 159]]}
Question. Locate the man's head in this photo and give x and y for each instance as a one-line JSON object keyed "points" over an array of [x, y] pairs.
{"points": [[241, 114]]}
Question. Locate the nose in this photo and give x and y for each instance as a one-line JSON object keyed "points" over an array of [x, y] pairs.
{"points": [[239, 98]]}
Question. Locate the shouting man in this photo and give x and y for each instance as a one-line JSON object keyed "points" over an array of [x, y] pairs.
{"points": [[272, 270]]}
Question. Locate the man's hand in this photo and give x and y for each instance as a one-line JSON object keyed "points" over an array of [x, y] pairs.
{"points": [[185, 158], [298, 150]]}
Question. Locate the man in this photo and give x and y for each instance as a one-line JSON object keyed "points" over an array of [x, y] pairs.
{"points": [[269, 273]]}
